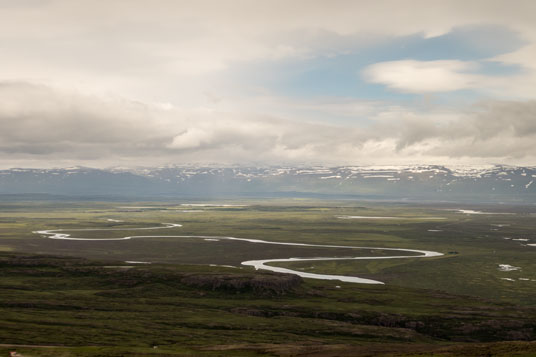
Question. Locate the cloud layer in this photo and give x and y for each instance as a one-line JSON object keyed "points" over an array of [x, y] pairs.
{"points": [[150, 51], [268, 82], [56, 127]]}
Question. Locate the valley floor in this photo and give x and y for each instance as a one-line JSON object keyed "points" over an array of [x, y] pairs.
{"points": [[93, 298]]}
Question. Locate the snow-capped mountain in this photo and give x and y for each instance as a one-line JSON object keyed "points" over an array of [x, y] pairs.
{"points": [[430, 182]]}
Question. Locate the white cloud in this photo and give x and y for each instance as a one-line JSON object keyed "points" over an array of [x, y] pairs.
{"points": [[523, 57], [190, 139], [423, 76]]}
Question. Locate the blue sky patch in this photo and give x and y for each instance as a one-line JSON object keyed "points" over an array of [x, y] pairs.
{"points": [[341, 75]]}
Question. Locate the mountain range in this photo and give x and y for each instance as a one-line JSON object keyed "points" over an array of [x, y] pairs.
{"points": [[489, 183]]}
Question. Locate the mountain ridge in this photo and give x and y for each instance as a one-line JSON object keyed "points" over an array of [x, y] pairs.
{"points": [[480, 183]]}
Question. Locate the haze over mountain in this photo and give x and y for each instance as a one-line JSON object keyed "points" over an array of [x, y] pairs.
{"points": [[471, 184]]}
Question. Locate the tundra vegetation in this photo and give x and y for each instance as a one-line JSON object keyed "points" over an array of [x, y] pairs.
{"points": [[100, 298]]}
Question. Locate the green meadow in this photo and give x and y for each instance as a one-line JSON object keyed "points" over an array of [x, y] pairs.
{"points": [[66, 297]]}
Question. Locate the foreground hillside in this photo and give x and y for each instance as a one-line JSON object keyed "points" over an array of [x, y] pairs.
{"points": [[114, 309]]}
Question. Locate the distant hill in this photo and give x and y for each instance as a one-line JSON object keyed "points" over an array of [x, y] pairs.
{"points": [[509, 184]]}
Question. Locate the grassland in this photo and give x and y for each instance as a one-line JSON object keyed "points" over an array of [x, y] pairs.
{"points": [[94, 305]]}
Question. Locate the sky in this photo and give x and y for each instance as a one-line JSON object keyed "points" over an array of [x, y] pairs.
{"points": [[163, 82]]}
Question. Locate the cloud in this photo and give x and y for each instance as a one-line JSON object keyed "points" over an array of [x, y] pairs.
{"points": [[186, 68], [423, 76], [494, 130], [41, 123], [523, 57], [190, 139], [174, 50], [43, 126]]}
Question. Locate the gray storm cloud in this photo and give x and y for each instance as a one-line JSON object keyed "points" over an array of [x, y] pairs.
{"points": [[47, 124]]}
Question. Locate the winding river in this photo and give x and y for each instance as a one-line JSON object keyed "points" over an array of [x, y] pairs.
{"points": [[257, 264]]}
